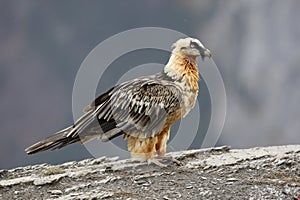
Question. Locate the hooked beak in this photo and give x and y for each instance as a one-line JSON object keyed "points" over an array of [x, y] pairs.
{"points": [[204, 53]]}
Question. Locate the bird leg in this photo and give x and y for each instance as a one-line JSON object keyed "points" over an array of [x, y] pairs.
{"points": [[161, 153], [151, 150]]}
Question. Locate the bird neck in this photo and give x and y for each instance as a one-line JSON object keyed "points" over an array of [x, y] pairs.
{"points": [[184, 69]]}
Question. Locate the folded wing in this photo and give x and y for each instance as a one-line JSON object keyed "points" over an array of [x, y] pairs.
{"points": [[139, 108]]}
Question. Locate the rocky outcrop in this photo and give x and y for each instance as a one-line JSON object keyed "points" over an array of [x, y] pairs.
{"points": [[216, 173]]}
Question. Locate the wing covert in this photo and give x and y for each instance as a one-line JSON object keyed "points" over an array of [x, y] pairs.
{"points": [[140, 108]]}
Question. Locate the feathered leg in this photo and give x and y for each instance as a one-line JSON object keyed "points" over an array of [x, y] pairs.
{"points": [[143, 149], [161, 146]]}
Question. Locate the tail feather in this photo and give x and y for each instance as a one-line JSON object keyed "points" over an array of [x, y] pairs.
{"points": [[56, 141], [92, 129], [86, 128]]}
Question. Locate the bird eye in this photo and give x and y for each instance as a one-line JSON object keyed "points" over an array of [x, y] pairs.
{"points": [[192, 45]]}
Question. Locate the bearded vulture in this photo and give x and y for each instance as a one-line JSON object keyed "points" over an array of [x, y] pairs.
{"points": [[142, 109]]}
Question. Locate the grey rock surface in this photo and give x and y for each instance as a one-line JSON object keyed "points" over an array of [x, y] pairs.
{"points": [[215, 173]]}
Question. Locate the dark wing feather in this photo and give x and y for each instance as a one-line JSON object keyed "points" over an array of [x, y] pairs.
{"points": [[138, 108], [99, 100]]}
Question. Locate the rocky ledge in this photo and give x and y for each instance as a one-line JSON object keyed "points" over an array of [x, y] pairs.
{"points": [[215, 173]]}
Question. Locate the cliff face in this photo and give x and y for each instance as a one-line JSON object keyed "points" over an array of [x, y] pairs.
{"points": [[217, 173]]}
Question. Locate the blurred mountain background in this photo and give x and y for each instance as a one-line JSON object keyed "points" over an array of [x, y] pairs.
{"points": [[255, 44]]}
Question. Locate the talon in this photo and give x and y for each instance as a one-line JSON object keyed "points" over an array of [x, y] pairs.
{"points": [[174, 160], [156, 162]]}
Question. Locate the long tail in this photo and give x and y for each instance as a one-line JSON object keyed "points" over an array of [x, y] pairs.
{"points": [[86, 128], [64, 137], [56, 141]]}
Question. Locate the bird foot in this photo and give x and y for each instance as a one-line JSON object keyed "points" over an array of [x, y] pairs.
{"points": [[174, 160], [156, 162], [161, 161]]}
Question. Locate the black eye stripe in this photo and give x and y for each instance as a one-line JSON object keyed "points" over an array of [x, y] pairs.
{"points": [[195, 44]]}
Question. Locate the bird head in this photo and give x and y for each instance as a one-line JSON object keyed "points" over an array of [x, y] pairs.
{"points": [[190, 48]]}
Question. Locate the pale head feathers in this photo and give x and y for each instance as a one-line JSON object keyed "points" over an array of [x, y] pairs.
{"points": [[186, 42], [190, 48], [183, 58]]}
